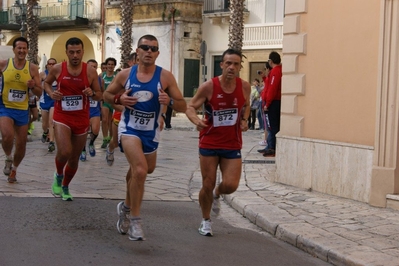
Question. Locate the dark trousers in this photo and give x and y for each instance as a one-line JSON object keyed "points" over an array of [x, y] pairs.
{"points": [[274, 118], [252, 119], [168, 117]]}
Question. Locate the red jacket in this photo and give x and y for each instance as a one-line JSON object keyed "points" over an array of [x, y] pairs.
{"points": [[272, 90]]}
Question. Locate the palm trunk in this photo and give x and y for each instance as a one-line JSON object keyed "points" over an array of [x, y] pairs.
{"points": [[127, 28], [32, 33], [236, 26]]}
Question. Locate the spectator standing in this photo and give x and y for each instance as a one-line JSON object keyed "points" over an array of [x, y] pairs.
{"points": [[272, 103]]}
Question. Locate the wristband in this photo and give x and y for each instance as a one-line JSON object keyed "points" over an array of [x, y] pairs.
{"points": [[163, 116], [170, 102], [117, 99]]}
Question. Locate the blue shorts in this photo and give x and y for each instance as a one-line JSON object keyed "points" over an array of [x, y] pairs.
{"points": [[228, 154], [148, 144], [46, 106], [20, 117], [95, 111]]}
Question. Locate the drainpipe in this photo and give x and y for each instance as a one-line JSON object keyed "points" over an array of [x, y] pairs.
{"points": [[102, 30], [172, 36]]}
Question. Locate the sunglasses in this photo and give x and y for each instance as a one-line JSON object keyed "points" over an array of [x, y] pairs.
{"points": [[51, 64], [148, 47]]}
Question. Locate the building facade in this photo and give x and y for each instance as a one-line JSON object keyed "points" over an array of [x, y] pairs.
{"points": [[59, 21], [339, 124]]}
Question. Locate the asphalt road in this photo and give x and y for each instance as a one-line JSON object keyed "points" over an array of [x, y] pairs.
{"points": [[48, 231]]}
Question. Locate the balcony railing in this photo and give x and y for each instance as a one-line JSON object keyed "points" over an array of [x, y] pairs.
{"points": [[58, 11], [263, 36], [218, 6]]}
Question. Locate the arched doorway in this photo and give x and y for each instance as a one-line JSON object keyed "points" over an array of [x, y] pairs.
{"points": [[57, 51]]}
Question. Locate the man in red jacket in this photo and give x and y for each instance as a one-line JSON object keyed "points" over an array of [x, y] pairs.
{"points": [[272, 103]]}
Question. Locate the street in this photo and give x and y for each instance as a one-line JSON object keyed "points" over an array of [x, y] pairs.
{"points": [[48, 231], [39, 229]]}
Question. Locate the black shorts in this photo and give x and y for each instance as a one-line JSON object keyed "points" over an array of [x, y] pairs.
{"points": [[228, 154]]}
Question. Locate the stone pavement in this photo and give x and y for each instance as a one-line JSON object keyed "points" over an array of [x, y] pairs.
{"points": [[339, 231]]}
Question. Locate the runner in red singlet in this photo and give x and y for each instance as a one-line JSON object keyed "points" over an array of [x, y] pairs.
{"points": [[76, 83], [227, 108]]}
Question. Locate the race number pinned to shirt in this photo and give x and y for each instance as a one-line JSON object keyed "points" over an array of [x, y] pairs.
{"points": [[72, 103], [93, 103], [16, 95], [142, 120], [226, 117]]}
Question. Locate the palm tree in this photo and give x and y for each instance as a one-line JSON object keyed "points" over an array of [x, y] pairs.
{"points": [[236, 26], [32, 33], [127, 23]]}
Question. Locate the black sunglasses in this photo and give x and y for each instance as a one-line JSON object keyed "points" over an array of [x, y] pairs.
{"points": [[148, 47]]}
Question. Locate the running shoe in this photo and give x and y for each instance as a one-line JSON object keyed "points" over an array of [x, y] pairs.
{"points": [[92, 151], [105, 143], [135, 230], [205, 228], [44, 137], [123, 222], [12, 178], [51, 146], [7, 167], [56, 187], [83, 156], [216, 205], [263, 143], [109, 157], [65, 194]]}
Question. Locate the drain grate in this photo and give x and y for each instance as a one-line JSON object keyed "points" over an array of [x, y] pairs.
{"points": [[259, 161]]}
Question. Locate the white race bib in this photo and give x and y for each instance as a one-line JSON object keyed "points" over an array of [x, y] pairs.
{"points": [[226, 117], [16, 95], [72, 103], [142, 120], [93, 103]]}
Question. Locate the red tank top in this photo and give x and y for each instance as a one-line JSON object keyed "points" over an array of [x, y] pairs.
{"points": [[74, 103], [223, 113]]}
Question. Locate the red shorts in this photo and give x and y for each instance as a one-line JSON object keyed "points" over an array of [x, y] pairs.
{"points": [[116, 117], [77, 126]]}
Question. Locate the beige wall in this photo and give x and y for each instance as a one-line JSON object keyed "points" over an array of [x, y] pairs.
{"points": [[335, 91], [341, 70]]}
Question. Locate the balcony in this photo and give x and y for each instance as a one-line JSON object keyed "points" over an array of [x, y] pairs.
{"points": [[263, 36], [218, 11], [56, 15]]}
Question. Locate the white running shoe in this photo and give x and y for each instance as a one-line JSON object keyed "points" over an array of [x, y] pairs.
{"points": [[123, 222], [205, 228], [7, 167], [263, 143], [135, 230], [216, 206]]}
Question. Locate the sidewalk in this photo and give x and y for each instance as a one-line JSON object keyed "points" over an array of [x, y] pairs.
{"points": [[337, 230]]}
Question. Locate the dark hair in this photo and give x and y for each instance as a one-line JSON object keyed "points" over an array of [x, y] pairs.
{"points": [[267, 65], [92, 61], [20, 39], [125, 65], [103, 64], [275, 57], [132, 57], [52, 59], [257, 80], [73, 41], [231, 51], [110, 59], [147, 37]]}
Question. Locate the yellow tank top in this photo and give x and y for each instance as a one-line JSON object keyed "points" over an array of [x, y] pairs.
{"points": [[15, 91]]}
